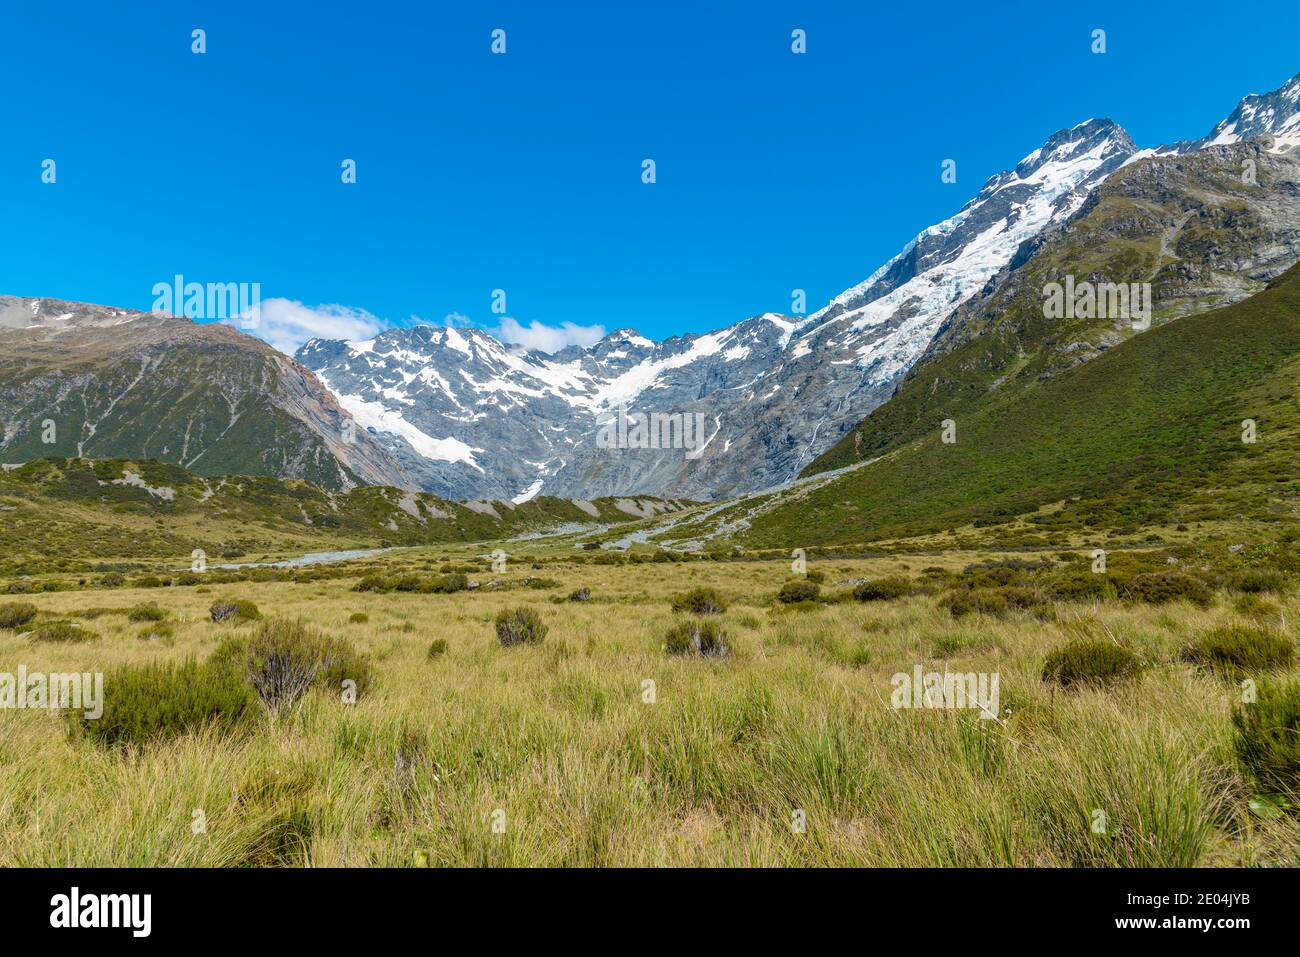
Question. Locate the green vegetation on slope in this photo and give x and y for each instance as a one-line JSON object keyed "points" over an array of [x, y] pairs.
{"points": [[1187, 225], [1149, 429], [70, 510]]}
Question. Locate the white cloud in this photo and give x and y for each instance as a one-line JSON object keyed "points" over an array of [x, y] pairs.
{"points": [[287, 324], [537, 335]]}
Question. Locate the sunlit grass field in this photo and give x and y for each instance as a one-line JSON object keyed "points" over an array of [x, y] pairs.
{"points": [[597, 748]]}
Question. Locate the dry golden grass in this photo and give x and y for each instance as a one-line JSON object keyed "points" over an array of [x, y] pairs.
{"points": [[559, 739]]}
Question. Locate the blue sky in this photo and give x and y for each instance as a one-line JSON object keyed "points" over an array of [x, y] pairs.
{"points": [[775, 171]]}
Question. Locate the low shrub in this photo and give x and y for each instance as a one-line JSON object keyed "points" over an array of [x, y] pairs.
{"points": [[239, 610], [581, 594], [519, 626], [1082, 585], [437, 648], [158, 631], [1238, 650], [981, 601], [1159, 588], [158, 701], [1257, 580], [701, 638], [358, 618], [1088, 661], [700, 601], [447, 584], [15, 614], [1266, 736], [883, 589], [146, 612], [63, 631], [797, 591], [285, 658], [371, 582]]}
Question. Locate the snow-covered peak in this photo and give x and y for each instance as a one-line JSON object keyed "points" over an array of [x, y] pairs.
{"points": [[1275, 114], [890, 317]]}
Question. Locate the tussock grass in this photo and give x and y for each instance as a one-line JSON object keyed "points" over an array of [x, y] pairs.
{"points": [[594, 748]]}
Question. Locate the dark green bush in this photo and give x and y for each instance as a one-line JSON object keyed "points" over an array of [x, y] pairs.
{"points": [[63, 631], [1256, 580], [982, 601], [1159, 588], [700, 601], [1087, 661], [146, 612], [358, 618], [446, 584], [883, 589], [437, 648], [238, 610], [1238, 650], [1267, 736], [580, 594], [1080, 585], [15, 614], [797, 591], [519, 626], [372, 582], [703, 638], [285, 658], [157, 701]]}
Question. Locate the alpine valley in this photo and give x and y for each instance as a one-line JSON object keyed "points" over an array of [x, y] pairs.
{"points": [[459, 414]]}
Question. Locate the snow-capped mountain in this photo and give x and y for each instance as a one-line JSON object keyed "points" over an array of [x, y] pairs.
{"points": [[467, 416], [1275, 114]]}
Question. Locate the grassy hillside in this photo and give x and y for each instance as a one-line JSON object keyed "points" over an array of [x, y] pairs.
{"points": [[1150, 431], [66, 512]]}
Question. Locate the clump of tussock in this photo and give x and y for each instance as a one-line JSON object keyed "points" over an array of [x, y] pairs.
{"points": [[157, 631], [1090, 661], [798, 591], [580, 594], [238, 610], [63, 631], [975, 601], [1238, 650], [706, 639], [147, 611], [1259, 580], [437, 648], [158, 701], [15, 614], [883, 589], [700, 600], [421, 584], [1266, 736], [519, 626], [1160, 588], [286, 657]]}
